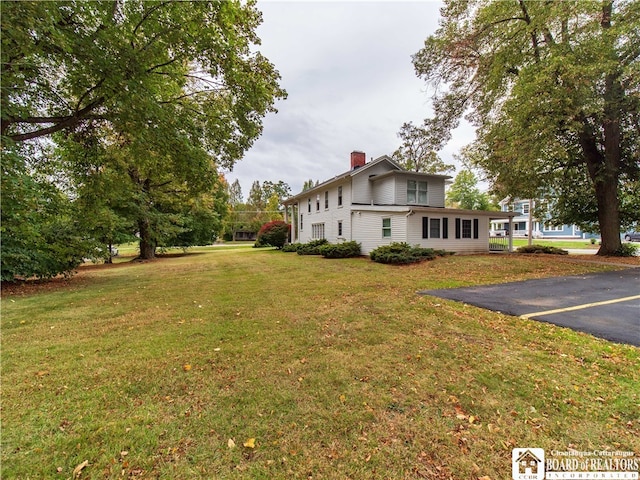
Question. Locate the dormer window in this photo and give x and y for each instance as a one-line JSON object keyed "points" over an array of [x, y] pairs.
{"points": [[416, 192]]}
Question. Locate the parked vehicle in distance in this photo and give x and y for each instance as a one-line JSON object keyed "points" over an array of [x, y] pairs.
{"points": [[632, 236]]}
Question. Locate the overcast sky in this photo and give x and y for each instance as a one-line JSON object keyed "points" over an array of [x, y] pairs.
{"points": [[346, 66]]}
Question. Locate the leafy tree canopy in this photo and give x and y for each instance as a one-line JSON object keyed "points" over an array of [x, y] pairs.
{"points": [[464, 193], [554, 90], [171, 71], [149, 97], [419, 149]]}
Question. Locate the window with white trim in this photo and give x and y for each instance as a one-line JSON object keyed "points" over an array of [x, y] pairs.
{"points": [[386, 227], [326, 200], [416, 192], [339, 228], [340, 196], [317, 230]]}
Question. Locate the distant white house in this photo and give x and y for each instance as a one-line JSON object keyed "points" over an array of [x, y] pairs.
{"points": [[379, 202], [539, 228]]}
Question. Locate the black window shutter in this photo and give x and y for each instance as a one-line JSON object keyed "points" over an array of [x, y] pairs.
{"points": [[457, 228], [425, 227], [445, 227], [475, 228]]}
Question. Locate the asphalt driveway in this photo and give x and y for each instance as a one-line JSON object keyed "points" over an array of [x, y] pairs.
{"points": [[606, 305]]}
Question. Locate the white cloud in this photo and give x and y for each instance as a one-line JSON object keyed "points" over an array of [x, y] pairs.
{"points": [[347, 69]]}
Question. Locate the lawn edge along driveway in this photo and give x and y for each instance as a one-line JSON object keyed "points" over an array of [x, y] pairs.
{"points": [[606, 304]]}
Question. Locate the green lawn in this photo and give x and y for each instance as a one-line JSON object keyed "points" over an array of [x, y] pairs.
{"points": [[329, 369], [577, 244]]}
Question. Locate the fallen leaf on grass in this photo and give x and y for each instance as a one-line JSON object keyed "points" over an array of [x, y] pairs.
{"points": [[484, 478], [78, 469], [250, 443], [186, 367], [231, 443]]}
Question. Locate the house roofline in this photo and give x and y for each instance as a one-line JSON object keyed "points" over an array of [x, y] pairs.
{"points": [[427, 209], [407, 173], [343, 176]]}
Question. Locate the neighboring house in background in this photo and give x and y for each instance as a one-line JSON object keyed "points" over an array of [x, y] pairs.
{"points": [[379, 202], [540, 229], [244, 236]]}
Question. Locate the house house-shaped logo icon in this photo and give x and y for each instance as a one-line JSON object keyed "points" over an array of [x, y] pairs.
{"points": [[527, 463]]}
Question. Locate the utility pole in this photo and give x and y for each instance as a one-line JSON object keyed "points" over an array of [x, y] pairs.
{"points": [[530, 233]]}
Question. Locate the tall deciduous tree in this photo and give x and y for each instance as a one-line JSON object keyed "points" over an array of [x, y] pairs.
{"points": [[419, 149], [175, 86], [235, 194], [464, 193], [554, 89]]}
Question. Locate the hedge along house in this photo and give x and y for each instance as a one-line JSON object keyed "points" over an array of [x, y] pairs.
{"points": [[379, 202]]}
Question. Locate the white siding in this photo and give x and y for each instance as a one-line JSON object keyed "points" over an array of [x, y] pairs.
{"points": [[367, 229], [362, 192], [452, 244], [384, 191], [435, 190], [329, 216]]}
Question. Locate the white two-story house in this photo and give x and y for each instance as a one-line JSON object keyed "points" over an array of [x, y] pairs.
{"points": [[379, 202]]}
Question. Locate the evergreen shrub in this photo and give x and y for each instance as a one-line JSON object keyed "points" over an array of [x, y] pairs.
{"points": [[400, 253], [627, 250], [340, 250], [312, 248], [542, 249]]}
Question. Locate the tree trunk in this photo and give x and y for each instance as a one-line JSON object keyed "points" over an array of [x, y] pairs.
{"points": [[604, 173], [147, 243], [608, 217]]}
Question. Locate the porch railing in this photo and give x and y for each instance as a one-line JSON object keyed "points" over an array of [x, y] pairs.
{"points": [[499, 244]]}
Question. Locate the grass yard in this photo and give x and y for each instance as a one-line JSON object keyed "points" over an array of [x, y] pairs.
{"points": [[258, 364], [577, 244]]}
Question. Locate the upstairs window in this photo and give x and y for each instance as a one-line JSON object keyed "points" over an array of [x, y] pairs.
{"points": [[317, 203], [309, 206], [326, 200], [340, 196], [416, 192]]}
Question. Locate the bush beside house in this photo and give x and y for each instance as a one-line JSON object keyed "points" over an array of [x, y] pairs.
{"points": [[401, 253], [273, 234], [340, 250]]}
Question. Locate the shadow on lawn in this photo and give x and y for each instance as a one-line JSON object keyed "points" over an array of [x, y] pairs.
{"points": [[31, 286]]}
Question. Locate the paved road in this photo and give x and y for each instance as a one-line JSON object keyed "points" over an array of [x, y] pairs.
{"points": [[606, 305]]}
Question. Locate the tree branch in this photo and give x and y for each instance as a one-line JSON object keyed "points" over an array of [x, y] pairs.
{"points": [[60, 123]]}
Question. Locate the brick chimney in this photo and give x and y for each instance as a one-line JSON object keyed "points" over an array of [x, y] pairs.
{"points": [[358, 159]]}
